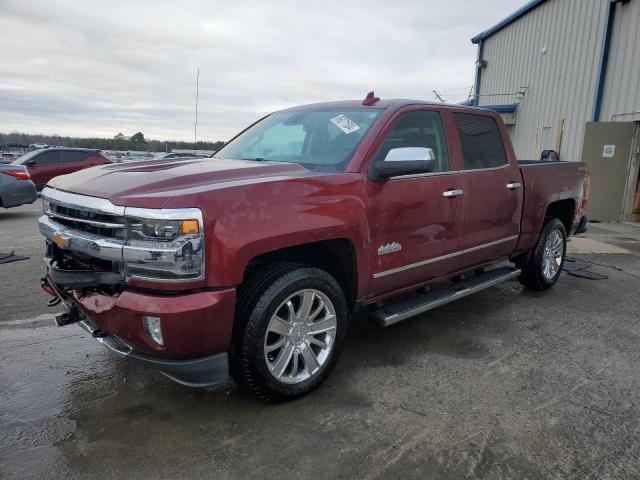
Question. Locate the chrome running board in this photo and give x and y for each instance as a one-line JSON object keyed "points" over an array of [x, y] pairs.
{"points": [[398, 311]]}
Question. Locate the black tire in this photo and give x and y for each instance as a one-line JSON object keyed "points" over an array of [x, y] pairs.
{"points": [[257, 302], [532, 275]]}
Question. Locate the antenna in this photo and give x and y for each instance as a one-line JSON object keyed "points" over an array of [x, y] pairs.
{"points": [[442, 100], [195, 126]]}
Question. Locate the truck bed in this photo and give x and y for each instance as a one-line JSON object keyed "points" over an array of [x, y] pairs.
{"points": [[558, 181]]}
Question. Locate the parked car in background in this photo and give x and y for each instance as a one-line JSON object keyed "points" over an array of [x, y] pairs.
{"points": [[16, 187], [251, 262], [45, 164], [7, 157]]}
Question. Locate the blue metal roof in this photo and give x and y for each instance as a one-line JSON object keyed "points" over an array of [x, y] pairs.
{"points": [[508, 21]]}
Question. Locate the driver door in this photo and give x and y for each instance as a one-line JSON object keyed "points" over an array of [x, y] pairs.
{"points": [[415, 222]]}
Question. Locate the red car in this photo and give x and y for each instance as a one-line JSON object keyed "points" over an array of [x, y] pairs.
{"points": [[47, 163], [251, 262]]}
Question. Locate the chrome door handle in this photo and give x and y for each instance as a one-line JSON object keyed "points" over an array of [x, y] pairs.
{"points": [[452, 193], [513, 185]]}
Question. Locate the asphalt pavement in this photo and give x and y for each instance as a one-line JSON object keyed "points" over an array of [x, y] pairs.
{"points": [[505, 384]]}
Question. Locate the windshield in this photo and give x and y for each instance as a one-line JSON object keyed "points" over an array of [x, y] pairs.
{"points": [[317, 139], [25, 158]]}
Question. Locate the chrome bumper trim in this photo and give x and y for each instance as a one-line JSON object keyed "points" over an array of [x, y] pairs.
{"points": [[112, 342], [83, 242]]}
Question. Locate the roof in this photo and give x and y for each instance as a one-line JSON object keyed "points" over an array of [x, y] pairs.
{"points": [[397, 103], [78, 149], [357, 104], [508, 21]]}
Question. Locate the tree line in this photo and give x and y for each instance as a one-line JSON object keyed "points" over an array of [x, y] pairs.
{"points": [[136, 141]]}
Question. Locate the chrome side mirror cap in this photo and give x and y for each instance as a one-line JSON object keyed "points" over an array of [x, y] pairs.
{"points": [[408, 154]]}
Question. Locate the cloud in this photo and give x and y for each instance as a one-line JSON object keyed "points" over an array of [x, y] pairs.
{"points": [[98, 68]]}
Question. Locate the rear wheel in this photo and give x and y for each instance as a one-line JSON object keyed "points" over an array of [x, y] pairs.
{"points": [[544, 266], [291, 325]]}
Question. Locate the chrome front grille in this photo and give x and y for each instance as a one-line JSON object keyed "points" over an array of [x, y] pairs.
{"points": [[95, 216], [85, 220]]}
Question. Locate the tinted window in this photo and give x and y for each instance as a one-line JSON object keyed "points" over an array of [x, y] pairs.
{"points": [[48, 158], [418, 129], [76, 156], [481, 142]]}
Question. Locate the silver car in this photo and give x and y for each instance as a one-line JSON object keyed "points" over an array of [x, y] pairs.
{"points": [[16, 187]]}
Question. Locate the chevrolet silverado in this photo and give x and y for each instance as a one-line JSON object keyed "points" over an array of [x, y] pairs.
{"points": [[249, 264]]}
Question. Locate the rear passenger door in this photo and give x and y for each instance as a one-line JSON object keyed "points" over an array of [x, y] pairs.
{"points": [[74, 160], [492, 190]]}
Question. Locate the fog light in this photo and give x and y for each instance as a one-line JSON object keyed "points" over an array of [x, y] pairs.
{"points": [[153, 329]]}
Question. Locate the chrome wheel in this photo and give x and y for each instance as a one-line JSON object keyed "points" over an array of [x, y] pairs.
{"points": [[300, 336], [552, 255]]}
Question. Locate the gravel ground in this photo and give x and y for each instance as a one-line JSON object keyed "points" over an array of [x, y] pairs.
{"points": [[507, 384]]}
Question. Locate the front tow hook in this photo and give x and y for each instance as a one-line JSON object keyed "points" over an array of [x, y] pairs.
{"points": [[67, 318]]}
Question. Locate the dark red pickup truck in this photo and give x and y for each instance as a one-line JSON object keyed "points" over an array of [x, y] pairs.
{"points": [[251, 262]]}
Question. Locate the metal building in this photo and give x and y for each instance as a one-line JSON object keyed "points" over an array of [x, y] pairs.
{"points": [[565, 75]]}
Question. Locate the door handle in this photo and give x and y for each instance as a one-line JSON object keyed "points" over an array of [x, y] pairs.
{"points": [[513, 185], [452, 193]]}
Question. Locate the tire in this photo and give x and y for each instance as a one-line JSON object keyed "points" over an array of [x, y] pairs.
{"points": [[545, 263], [275, 353]]}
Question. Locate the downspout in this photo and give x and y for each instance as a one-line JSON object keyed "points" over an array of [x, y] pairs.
{"points": [[604, 59], [476, 96]]}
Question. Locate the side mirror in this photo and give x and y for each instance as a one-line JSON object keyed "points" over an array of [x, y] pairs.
{"points": [[30, 163], [403, 161]]}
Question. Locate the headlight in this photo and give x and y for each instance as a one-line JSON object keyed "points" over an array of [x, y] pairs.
{"points": [[145, 230], [164, 244]]}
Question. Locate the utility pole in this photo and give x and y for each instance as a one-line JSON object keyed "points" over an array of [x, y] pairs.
{"points": [[195, 126]]}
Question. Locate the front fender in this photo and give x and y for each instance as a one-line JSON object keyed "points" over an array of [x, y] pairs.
{"points": [[302, 213]]}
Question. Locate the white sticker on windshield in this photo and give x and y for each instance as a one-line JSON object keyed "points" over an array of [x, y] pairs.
{"points": [[345, 124]]}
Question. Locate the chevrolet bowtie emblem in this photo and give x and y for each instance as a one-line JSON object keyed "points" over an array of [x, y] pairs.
{"points": [[60, 240]]}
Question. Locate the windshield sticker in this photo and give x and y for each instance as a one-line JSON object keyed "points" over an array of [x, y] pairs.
{"points": [[345, 124]]}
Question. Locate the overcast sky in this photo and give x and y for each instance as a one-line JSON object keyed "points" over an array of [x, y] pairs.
{"points": [[96, 68]]}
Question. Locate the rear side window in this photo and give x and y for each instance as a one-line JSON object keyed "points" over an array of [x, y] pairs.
{"points": [[481, 142], [48, 158], [418, 129], [76, 156]]}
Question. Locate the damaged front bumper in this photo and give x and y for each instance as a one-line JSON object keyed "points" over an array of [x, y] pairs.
{"points": [[194, 324], [206, 371]]}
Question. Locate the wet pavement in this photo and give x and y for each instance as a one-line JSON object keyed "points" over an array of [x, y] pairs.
{"points": [[506, 384]]}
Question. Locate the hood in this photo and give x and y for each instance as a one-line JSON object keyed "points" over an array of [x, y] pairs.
{"points": [[154, 183]]}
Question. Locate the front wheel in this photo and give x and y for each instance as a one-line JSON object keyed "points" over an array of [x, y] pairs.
{"points": [[544, 266], [291, 325]]}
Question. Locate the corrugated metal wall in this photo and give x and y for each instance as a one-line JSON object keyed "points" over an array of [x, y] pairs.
{"points": [[621, 99], [554, 50]]}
